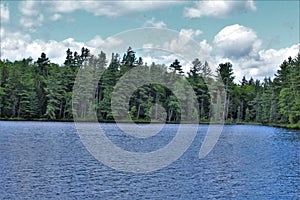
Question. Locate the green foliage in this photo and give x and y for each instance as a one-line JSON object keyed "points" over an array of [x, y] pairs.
{"points": [[199, 77], [44, 90], [176, 67]]}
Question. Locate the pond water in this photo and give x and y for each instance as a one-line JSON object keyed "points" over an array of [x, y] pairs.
{"points": [[48, 160]]}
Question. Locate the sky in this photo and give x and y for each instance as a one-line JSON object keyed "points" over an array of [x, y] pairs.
{"points": [[255, 36]]}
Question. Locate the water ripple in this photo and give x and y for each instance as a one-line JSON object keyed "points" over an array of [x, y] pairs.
{"points": [[41, 160]]}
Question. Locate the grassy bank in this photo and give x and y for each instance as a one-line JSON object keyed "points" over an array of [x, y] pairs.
{"points": [[288, 126]]}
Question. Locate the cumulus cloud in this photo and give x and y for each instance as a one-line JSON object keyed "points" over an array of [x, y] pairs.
{"points": [[12, 43], [268, 61], [4, 13], [33, 11], [218, 8], [99, 44], [98, 8], [16, 46], [241, 46], [30, 8], [190, 33], [31, 16], [177, 45], [109, 8], [31, 23], [183, 41], [265, 64], [237, 41], [153, 23], [159, 57], [205, 46]]}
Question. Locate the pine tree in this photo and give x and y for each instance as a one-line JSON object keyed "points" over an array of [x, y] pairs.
{"points": [[199, 78], [225, 72], [176, 67], [40, 79]]}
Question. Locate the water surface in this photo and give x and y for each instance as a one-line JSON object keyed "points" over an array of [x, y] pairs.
{"points": [[47, 160]]}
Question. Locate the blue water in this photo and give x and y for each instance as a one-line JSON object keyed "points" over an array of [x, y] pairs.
{"points": [[41, 160]]}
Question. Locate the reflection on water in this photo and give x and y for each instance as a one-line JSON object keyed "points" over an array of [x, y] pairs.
{"points": [[47, 160]]}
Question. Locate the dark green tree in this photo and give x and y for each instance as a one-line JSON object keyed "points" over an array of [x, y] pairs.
{"points": [[176, 67], [225, 72]]}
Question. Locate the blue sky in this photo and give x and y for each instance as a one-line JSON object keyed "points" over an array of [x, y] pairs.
{"points": [[254, 35]]}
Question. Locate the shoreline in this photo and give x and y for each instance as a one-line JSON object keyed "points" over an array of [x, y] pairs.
{"points": [[286, 126]]}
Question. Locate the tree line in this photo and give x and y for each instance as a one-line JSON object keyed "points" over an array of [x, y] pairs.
{"points": [[43, 90]]}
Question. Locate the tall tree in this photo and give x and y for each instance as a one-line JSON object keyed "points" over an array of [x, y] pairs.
{"points": [[225, 72], [41, 75], [176, 67], [199, 77]]}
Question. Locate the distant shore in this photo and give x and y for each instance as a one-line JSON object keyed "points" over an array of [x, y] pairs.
{"points": [[287, 126]]}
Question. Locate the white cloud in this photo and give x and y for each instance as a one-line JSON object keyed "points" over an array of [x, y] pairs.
{"points": [[31, 23], [153, 23], [31, 16], [242, 47], [106, 45], [108, 8], [30, 8], [190, 33], [33, 11], [181, 44], [177, 45], [185, 46], [237, 41], [55, 17], [16, 46], [159, 56], [98, 8], [265, 64], [1, 32], [269, 60], [4, 13], [205, 54], [183, 41], [218, 8], [12, 45], [205, 46]]}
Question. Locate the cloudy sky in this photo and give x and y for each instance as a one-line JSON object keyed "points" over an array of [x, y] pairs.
{"points": [[255, 36]]}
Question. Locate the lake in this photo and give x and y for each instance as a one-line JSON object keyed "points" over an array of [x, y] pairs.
{"points": [[41, 160]]}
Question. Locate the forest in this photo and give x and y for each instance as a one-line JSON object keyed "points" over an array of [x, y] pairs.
{"points": [[42, 90]]}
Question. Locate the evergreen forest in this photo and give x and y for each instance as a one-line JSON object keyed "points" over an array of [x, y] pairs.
{"points": [[42, 90]]}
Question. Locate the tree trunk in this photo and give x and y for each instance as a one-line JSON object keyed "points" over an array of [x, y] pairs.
{"points": [[60, 109], [14, 110], [138, 111], [156, 105], [170, 115]]}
